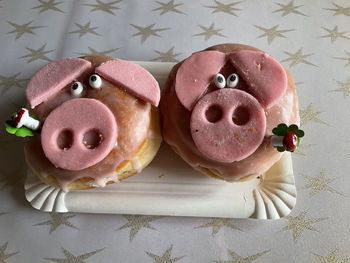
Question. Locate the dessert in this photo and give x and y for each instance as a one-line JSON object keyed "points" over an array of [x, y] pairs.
{"points": [[220, 107], [92, 121]]}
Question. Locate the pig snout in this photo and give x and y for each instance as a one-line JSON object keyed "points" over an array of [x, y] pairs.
{"points": [[228, 125], [78, 134]]}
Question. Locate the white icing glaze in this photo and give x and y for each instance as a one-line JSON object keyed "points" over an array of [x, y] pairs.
{"points": [[136, 164], [103, 181], [100, 182]]}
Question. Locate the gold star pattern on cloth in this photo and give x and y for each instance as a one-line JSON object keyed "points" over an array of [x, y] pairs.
{"points": [[168, 7], [345, 87], [298, 224], [146, 32], [238, 259], [272, 33], [94, 52], [332, 258], [333, 34], [224, 8], [36, 54], [168, 56], [339, 10], [345, 58], [289, 8], [3, 255], [22, 29], [84, 29], [208, 32], [217, 223], [136, 222], [302, 146], [319, 183], [48, 5], [57, 219], [298, 58], [12, 81], [107, 7], [70, 258], [14, 179], [309, 115], [165, 258]]}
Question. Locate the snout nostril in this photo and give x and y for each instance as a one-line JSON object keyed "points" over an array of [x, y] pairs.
{"points": [[240, 116], [213, 113], [65, 139], [92, 139]]}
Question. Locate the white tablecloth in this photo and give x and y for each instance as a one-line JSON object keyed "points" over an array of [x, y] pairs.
{"points": [[310, 38]]}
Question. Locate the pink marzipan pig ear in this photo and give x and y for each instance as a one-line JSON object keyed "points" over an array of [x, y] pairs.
{"points": [[53, 77], [265, 76], [133, 78], [195, 74]]}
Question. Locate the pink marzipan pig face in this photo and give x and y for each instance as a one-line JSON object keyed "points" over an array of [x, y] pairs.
{"points": [[79, 116], [227, 94]]}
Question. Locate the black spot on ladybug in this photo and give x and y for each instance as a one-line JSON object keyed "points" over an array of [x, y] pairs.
{"points": [[197, 130]]}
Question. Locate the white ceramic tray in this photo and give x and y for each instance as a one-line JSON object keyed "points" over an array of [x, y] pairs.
{"points": [[168, 186]]}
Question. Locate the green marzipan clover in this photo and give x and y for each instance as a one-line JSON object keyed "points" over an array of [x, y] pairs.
{"points": [[19, 132], [280, 149], [282, 129]]}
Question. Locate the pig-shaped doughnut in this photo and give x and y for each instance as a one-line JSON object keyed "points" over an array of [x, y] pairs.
{"points": [[98, 121], [220, 106]]}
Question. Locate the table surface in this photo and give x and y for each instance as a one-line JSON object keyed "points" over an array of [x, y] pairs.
{"points": [[310, 38]]}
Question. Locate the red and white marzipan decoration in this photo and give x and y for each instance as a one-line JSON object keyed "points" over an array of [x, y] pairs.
{"points": [[22, 118]]}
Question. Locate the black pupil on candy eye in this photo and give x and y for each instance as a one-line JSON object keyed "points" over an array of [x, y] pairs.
{"points": [[75, 86], [93, 78], [220, 79], [233, 77]]}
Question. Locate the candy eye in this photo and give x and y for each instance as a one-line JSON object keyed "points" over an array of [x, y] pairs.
{"points": [[95, 81], [77, 88], [232, 80], [219, 81]]}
